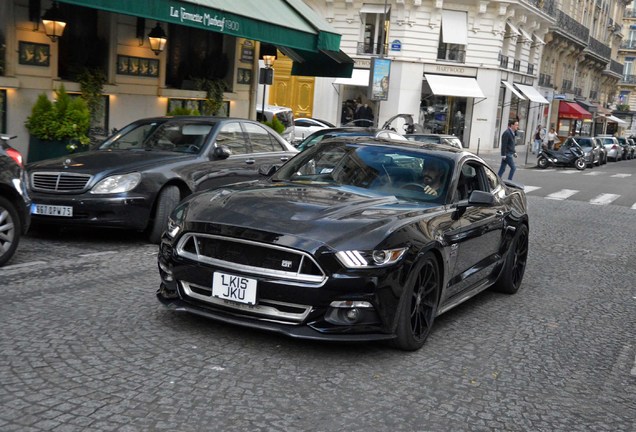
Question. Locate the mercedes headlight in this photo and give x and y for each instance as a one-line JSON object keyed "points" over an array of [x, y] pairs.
{"points": [[370, 259], [117, 184]]}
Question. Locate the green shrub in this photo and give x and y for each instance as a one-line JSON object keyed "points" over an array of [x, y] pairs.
{"points": [[183, 111], [66, 119], [275, 124]]}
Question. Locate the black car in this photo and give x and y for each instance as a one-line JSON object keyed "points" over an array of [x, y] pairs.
{"points": [[626, 150], [348, 241], [14, 200], [139, 174]]}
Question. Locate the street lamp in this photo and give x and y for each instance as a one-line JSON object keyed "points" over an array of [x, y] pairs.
{"points": [[54, 23], [157, 38], [266, 76]]}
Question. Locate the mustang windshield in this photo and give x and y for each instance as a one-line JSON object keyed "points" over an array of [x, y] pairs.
{"points": [[173, 136], [384, 170]]}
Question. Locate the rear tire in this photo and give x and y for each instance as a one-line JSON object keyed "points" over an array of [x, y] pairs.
{"points": [[168, 199], [418, 306], [515, 266], [10, 230]]}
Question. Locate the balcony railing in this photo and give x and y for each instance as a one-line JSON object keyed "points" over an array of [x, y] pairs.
{"points": [[599, 48], [629, 44], [616, 67], [570, 27], [628, 79], [545, 5]]}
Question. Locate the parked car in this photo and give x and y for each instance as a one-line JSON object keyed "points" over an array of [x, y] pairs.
{"points": [[284, 114], [139, 174], [632, 147], [614, 150], [625, 148], [348, 131], [14, 200], [306, 126], [602, 151], [451, 140], [589, 147], [347, 242]]}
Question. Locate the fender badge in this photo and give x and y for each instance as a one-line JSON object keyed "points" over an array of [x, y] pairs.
{"points": [[66, 163]]}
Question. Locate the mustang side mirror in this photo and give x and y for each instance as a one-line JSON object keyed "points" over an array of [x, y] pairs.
{"points": [[477, 198], [267, 170], [222, 152]]}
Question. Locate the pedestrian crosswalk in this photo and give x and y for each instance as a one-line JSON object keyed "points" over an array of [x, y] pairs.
{"points": [[563, 194]]}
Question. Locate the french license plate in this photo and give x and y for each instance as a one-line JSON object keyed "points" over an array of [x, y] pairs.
{"points": [[51, 210], [234, 288]]}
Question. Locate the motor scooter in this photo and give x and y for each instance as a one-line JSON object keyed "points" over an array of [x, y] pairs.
{"points": [[570, 154]]}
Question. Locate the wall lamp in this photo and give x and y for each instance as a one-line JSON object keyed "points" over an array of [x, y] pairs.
{"points": [[54, 22], [157, 38]]}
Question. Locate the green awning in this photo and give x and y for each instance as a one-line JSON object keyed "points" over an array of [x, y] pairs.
{"points": [[289, 23]]}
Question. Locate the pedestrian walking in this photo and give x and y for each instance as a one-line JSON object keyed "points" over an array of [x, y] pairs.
{"points": [[539, 135], [551, 139], [508, 154]]}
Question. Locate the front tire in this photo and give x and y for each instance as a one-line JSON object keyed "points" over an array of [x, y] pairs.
{"points": [[168, 199], [418, 306], [515, 266], [10, 230], [542, 162], [580, 164]]}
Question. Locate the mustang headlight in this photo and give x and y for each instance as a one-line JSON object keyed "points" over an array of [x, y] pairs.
{"points": [[367, 259], [117, 184], [175, 221]]}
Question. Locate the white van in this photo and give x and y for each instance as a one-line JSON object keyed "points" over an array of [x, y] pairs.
{"points": [[284, 114]]}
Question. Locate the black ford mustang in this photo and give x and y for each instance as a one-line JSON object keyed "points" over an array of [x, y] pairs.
{"points": [[350, 240]]}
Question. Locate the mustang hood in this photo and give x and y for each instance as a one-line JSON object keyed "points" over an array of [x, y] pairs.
{"points": [[328, 215], [110, 162]]}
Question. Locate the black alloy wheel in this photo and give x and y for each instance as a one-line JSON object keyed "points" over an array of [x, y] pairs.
{"points": [[580, 164], [418, 307], [514, 268], [168, 199], [542, 162]]}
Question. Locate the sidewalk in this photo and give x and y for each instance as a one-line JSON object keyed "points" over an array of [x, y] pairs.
{"points": [[493, 157]]}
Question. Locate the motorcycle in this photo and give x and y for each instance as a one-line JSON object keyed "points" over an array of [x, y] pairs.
{"points": [[570, 154]]}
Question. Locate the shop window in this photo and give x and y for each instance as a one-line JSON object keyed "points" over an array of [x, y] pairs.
{"points": [[375, 29], [194, 55], [81, 47], [453, 37]]}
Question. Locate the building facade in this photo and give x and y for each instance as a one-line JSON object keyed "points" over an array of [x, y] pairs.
{"points": [[626, 103]]}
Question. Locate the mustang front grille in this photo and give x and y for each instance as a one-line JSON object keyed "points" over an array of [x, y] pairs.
{"points": [[59, 181], [252, 257], [286, 313]]}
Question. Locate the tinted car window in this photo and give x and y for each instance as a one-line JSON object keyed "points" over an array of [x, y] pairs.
{"points": [[164, 136], [232, 137], [260, 139], [130, 138]]}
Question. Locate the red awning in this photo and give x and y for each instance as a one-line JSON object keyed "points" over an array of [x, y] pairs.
{"points": [[572, 110]]}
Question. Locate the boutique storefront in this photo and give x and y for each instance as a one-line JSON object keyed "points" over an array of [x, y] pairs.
{"points": [[573, 120]]}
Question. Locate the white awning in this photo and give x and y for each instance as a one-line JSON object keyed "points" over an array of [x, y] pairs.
{"points": [[374, 8], [611, 118], [526, 36], [514, 31], [455, 27], [445, 85], [359, 77], [513, 90], [532, 93]]}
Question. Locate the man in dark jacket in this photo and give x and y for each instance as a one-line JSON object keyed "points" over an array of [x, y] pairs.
{"points": [[508, 149]]}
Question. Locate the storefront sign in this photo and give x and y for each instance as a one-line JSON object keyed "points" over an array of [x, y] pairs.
{"points": [[380, 73], [218, 21], [247, 52], [450, 70]]}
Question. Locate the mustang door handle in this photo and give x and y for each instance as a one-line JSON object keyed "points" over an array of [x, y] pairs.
{"points": [[284, 158]]}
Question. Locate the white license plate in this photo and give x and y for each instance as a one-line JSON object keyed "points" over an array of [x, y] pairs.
{"points": [[51, 210], [234, 288]]}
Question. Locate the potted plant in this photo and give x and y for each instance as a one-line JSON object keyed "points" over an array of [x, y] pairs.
{"points": [[57, 128]]}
